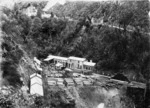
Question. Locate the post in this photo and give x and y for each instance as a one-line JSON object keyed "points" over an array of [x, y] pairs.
{"points": [[147, 95], [1, 40]]}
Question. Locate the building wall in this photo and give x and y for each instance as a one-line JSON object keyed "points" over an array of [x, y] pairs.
{"points": [[88, 67], [60, 61], [36, 89], [75, 64]]}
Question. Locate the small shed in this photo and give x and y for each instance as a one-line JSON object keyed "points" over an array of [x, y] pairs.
{"points": [[67, 69], [36, 85], [88, 65], [59, 66]]}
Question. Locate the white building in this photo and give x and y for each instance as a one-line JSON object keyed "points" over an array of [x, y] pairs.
{"points": [[75, 62], [62, 60], [36, 85], [97, 21], [88, 65], [72, 62], [30, 11], [57, 59]]}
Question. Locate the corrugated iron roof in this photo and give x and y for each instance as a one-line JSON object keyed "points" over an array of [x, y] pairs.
{"points": [[89, 63], [76, 58]]}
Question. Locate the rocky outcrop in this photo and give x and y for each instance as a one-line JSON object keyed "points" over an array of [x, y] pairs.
{"points": [[119, 101], [94, 96]]}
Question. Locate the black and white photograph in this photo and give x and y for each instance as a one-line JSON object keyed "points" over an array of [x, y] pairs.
{"points": [[74, 54]]}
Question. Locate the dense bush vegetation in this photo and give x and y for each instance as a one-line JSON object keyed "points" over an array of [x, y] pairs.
{"points": [[119, 101], [111, 48]]}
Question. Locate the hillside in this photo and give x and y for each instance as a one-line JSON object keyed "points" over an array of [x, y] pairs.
{"points": [[114, 50], [113, 12]]}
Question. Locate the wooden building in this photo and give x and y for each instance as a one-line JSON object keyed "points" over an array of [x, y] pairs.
{"points": [[36, 85]]}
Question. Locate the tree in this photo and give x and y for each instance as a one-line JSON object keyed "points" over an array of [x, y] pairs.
{"points": [[12, 38], [39, 102], [131, 15], [119, 101]]}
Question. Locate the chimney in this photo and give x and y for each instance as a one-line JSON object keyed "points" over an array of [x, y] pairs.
{"points": [[91, 61]]}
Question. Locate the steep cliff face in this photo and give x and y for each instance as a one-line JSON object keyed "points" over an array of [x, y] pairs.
{"points": [[26, 68], [91, 97]]}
